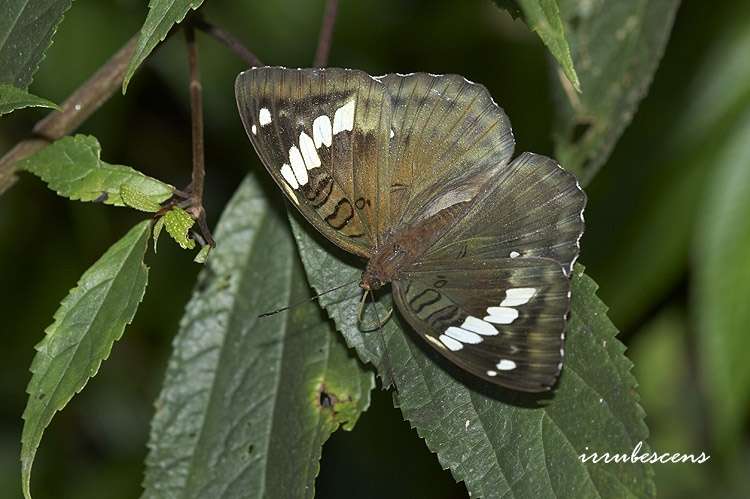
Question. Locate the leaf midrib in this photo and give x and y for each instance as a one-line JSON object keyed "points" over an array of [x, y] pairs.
{"points": [[232, 313], [277, 384]]}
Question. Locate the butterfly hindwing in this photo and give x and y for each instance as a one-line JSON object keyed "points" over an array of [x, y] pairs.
{"points": [[500, 319], [533, 208], [323, 136]]}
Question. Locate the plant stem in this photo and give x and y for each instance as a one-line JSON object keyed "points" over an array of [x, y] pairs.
{"points": [[326, 34], [227, 39], [74, 111], [196, 120]]}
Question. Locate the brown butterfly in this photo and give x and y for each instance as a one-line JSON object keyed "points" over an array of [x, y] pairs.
{"points": [[414, 173]]}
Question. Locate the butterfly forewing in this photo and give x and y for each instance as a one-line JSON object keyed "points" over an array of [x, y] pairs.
{"points": [[533, 208], [323, 136], [500, 319], [447, 139]]}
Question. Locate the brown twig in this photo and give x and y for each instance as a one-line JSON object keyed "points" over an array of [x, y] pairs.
{"points": [[227, 39], [196, 118], [326, 34], [74, 111]]}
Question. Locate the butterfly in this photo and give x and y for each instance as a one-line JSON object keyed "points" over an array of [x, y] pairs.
{"points": [[414, 172]]}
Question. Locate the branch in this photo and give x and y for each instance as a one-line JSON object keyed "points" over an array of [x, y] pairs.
{"points": [[326, 34], [74, 111], [196, 119], [227, 39]]}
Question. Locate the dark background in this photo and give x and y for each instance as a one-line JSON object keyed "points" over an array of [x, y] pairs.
{"points": [[98, 442]]}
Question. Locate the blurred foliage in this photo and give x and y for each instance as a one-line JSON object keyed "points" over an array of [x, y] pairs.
{"points": [[642, 244]]}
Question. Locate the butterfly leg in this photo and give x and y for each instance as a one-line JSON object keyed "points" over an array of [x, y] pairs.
{"points": [[378, 323]]}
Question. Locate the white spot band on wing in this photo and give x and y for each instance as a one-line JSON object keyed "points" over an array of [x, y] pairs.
{"points": [[501, 315], [286, 172], [463, 335], [517, 296], [264, 118], [479, 326], [344, 117], [452, 344], [307, 146], [322, 134], [254, 129], [298, 165]]}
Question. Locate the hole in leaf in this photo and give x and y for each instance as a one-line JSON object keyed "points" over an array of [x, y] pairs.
{"points": [[326, 400], [250, 449], [575, 22], [579, 131]]}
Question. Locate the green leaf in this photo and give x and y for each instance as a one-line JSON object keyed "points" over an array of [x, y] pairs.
{"points": [[71, 167], [26, 30], [503, 443], [158, 226], [90, 319], [138, 200], [178, 222], [248, 402], [543, 17], [616, 49], [722, 287], [162, 15], [202, 255], [16, 98]]}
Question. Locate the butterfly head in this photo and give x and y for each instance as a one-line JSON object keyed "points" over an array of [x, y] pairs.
{"points": [[372, 281]]}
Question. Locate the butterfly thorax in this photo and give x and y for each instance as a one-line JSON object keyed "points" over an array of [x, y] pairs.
{"points": [[404, 247]]}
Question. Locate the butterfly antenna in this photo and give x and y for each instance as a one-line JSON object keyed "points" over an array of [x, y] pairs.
{"points": [[312, 298]]}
